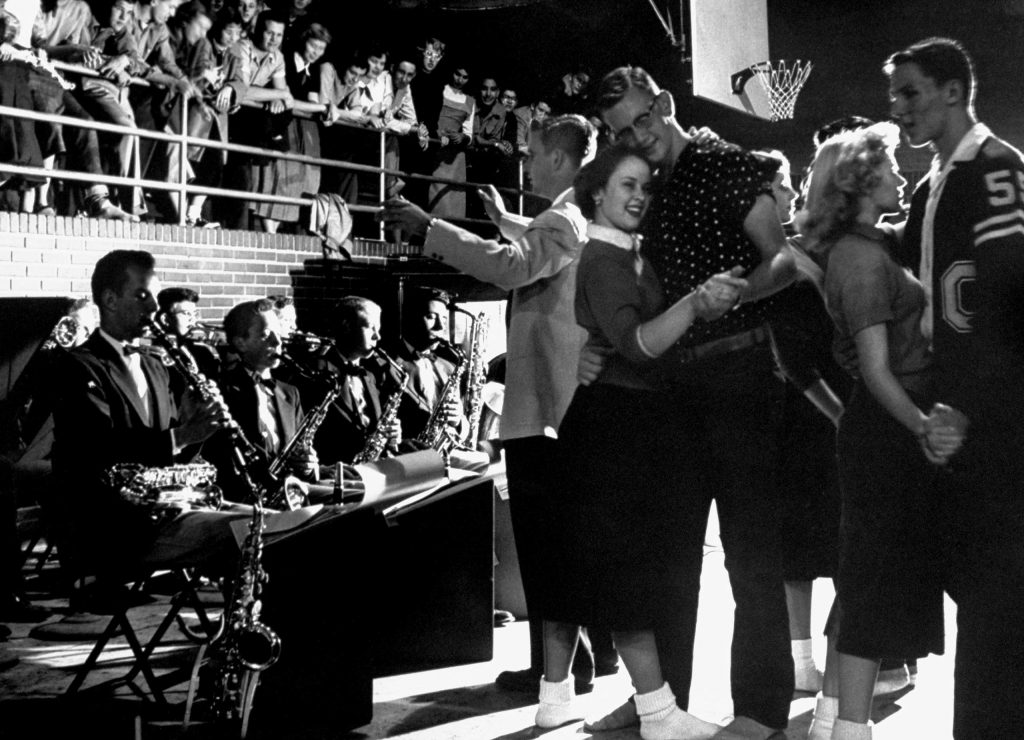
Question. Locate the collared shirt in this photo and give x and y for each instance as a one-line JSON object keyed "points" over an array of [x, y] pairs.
{"points": [[615, 294], [864, 286], [133, 362], [270, 426], [378, 93], [965, 151], [620, 239], [694, 229], [356, 386], [401, 114], [263, 66]]}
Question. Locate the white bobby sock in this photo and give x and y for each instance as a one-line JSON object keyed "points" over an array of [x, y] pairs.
{"points": [[662, 719], [826, 709], [555, 703], [806, 676]]}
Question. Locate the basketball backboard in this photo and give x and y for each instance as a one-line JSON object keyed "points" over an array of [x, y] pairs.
{"points": [[729, 36]]}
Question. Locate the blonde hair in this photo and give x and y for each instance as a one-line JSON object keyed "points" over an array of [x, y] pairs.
{"points": [[843, 171]]}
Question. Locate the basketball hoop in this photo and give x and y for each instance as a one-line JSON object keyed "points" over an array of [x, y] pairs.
{"points": [[781, 80]]}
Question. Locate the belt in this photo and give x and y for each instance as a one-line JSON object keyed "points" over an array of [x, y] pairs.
{"points": [[732, 343]]}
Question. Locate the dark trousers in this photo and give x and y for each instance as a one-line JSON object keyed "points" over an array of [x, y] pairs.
{"points": [[985, 491], [733, 402], [81, 144], [530, 462]]}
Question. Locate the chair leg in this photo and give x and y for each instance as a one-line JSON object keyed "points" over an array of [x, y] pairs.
{"points": [[86, 668], [121, 625]]}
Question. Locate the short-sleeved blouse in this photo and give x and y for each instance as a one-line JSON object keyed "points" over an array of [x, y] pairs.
{"points": [[865, 286]]}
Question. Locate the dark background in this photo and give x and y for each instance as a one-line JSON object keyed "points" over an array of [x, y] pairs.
{"points": [[530, 46]]}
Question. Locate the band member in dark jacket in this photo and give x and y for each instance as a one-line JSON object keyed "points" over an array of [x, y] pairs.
{"points": [[268, 411], [115, 406], [367, 383]]}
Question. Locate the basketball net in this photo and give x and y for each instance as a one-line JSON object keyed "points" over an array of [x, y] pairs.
{"points": [[782, 82]]}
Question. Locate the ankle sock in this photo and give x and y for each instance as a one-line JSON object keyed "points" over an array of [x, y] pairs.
{"points": [[846, 730], [662, 719], [826, 709], [806, 675], [554, 707]]}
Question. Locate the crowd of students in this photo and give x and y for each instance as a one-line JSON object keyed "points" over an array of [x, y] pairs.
{"points": [[270, 75]]}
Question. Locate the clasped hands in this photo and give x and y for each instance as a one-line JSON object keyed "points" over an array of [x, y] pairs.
{"points": [[944, 432], [719, 294]]}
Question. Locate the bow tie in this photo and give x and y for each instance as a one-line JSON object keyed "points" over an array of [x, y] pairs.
{"points": [[133, 349], [268, 383], [350, 369]]}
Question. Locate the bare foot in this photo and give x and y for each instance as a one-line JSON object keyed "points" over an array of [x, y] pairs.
{"points": [[619, 718]]}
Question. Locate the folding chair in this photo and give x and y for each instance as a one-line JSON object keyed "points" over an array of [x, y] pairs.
{"points": [[186, 595]]}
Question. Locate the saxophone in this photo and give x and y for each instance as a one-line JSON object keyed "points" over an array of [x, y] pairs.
{"points": [[477, 376], [244, 646], [377, 440], [437, 434], [290, 496]]}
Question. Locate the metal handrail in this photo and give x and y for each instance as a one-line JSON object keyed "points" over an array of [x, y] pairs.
{"points": [[184, 141]]}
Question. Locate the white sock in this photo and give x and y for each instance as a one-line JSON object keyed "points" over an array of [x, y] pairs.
{"points": [[806, 676], [555, 703], [846, 730], [662, 719], [826, 709], [803, 650]]}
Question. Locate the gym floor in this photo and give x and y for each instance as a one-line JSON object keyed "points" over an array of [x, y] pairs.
{"points": [[458, 703]]}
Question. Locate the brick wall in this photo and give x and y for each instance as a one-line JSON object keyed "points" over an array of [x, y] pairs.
{"points": [[54, 256]]}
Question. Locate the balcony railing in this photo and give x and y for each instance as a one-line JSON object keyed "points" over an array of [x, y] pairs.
{"points": [[181, 188]]}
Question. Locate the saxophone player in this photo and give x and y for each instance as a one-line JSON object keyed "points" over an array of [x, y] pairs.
{"points": [[268, 410], [114, 405], [369, 382], [426, 353]]}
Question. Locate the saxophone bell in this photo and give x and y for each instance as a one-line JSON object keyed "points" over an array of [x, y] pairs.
{"points": [[259, 647], [64, 334]]}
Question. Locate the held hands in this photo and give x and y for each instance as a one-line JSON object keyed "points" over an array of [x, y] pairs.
{"points": [[945, 429], [493, 203], [719, 294], [398, 213], [591, 362]]}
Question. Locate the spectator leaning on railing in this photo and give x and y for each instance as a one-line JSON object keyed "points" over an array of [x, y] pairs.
{"points": [[49, 28]]}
